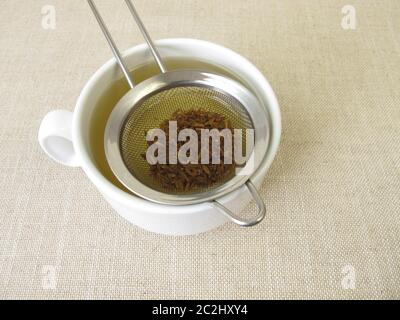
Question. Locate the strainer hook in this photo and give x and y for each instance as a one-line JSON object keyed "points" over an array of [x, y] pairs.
{"points": [[234, 218]]}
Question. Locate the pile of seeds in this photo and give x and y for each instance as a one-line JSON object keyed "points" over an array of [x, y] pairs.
{"points": [[191, 177]]}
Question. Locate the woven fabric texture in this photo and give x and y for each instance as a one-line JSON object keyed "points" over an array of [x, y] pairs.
{"points": [[333, 193]]}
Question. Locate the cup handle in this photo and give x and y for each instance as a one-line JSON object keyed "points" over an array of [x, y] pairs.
{"points": [[245, 223], [55, 137]]}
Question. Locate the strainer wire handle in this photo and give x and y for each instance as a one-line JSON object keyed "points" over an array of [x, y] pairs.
{"points": [[112, 44], [245, 223], [146, 36]]}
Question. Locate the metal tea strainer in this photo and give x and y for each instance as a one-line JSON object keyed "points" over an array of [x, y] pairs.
{"points": [[152, 101]]}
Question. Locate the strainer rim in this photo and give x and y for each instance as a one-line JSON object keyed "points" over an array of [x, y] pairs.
{"points": [[157, 84]]}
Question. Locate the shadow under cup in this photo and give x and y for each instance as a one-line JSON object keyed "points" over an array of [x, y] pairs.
{"points": [[116, 90]]}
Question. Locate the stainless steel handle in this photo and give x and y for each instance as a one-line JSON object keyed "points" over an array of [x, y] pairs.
{"points": [[146, 36], [111, 42], [245, 223]]}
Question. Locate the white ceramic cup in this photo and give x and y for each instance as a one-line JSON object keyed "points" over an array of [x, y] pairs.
{"points": [[64, 136]]}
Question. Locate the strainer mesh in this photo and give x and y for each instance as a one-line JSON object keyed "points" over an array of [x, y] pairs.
{"points": [[154, 110]]}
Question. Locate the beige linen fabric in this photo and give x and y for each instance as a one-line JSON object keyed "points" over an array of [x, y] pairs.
{"points": [[332, 195]]}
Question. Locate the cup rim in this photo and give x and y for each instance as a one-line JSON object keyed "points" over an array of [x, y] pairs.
{"points": [[111, 191]]}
